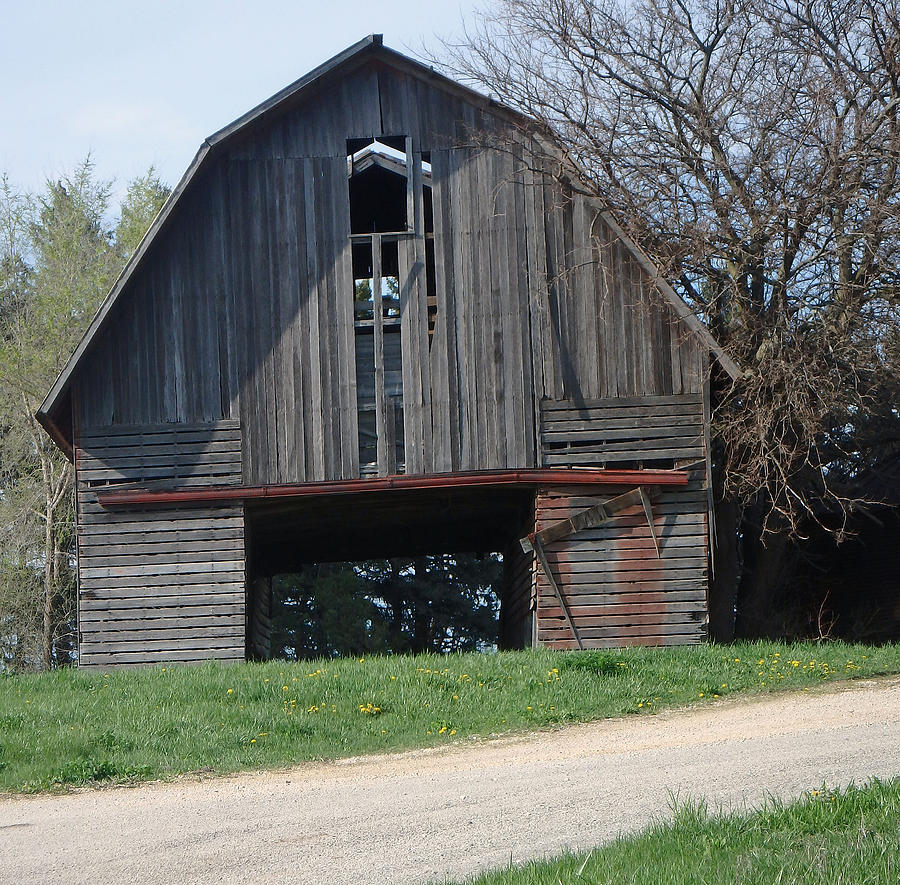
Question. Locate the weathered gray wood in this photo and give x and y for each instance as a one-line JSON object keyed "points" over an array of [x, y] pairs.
{"points": [[152, 583], [315, 407], [445, 404], [243, 309], [685, 399], [159, 656], [221, 599], [381, 441]]}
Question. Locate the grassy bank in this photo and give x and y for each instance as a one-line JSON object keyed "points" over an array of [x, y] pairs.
{"points": [[69, 727], [827, 838]]}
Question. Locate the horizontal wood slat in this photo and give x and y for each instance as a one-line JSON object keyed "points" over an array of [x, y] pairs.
{"points": [[618, 402], [160, 584], [136, 658], [645, 429]]}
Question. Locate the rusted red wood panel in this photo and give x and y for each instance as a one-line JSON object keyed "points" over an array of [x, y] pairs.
{"points": [[618, 591]]}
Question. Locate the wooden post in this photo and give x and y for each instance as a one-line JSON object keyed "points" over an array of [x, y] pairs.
{"points": [[381, 436]]}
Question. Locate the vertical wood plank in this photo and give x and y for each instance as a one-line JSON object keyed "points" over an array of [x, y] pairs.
{"points": [[381, 443], [315, 406], [339, 208]]}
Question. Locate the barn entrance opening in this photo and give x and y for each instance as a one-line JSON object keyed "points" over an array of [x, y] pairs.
{"points": [[389, 571]]}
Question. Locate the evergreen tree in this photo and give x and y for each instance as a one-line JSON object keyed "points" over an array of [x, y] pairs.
{"points": [[438, 603]]}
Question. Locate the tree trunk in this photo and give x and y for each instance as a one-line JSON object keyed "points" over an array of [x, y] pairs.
{"points": [[723, 587], [759, 614], [49, 588], [421, 615]]}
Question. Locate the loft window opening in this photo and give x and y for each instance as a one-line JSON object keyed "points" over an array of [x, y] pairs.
{"points": [[364, 284], [377, 172], [379, 355]]}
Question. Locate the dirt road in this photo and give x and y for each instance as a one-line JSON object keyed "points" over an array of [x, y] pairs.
{"points": [[419, 816]]}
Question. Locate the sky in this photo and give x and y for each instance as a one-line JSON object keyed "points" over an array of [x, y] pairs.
{"points": [[137, 83]]}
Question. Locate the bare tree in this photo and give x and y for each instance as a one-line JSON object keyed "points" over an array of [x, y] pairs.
{"points": [[752, 147]]}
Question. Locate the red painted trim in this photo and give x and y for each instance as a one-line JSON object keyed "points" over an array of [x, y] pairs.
{"points": [[531, 477]]}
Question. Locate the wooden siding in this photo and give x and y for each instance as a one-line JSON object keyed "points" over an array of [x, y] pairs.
{"points": [[602, 329], [260, 616], [243, 306], [231, 357], [617, 590], [647, 429], [161, 584]]}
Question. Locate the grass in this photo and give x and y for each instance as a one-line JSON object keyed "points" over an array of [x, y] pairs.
{"points": [[845, 837], [68, 727]]}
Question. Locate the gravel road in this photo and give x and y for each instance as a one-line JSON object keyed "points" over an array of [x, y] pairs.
{"points": [[420, 816]]}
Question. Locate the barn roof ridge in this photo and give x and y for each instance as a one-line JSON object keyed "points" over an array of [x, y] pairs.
{"points": [[370, 46]]}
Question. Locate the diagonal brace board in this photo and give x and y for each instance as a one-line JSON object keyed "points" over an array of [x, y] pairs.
{"points": [[592, 517], [538, 548], [648, 512]]}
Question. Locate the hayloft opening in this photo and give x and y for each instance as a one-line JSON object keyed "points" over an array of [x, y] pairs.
{"points": [[380, 189], [385, 212]]}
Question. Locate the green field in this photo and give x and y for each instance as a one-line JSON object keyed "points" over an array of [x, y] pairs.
{"points": [[845, 837], [69, 727]]}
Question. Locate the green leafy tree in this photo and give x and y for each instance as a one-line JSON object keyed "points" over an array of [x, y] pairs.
{"points": [[58, 258], [145, 197]]}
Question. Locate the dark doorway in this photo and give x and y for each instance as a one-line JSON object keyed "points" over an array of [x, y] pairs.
{"points": [[389, 571]]}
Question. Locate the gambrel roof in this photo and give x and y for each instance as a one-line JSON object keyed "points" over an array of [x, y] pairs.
{"points": [[52, 413]]}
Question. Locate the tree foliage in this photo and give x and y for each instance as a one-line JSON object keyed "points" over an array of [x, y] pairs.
{"points": [[144, 198], [752, 147], [438, 603], [59, 255]]}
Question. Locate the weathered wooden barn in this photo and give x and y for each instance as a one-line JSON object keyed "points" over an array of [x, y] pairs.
{"points": [[375, 318]]}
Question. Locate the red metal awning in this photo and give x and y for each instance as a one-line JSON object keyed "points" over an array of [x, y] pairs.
{"points": [[533, 477]]}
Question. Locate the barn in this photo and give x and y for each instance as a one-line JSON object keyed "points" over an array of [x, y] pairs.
{"points": [[377, 317]]}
